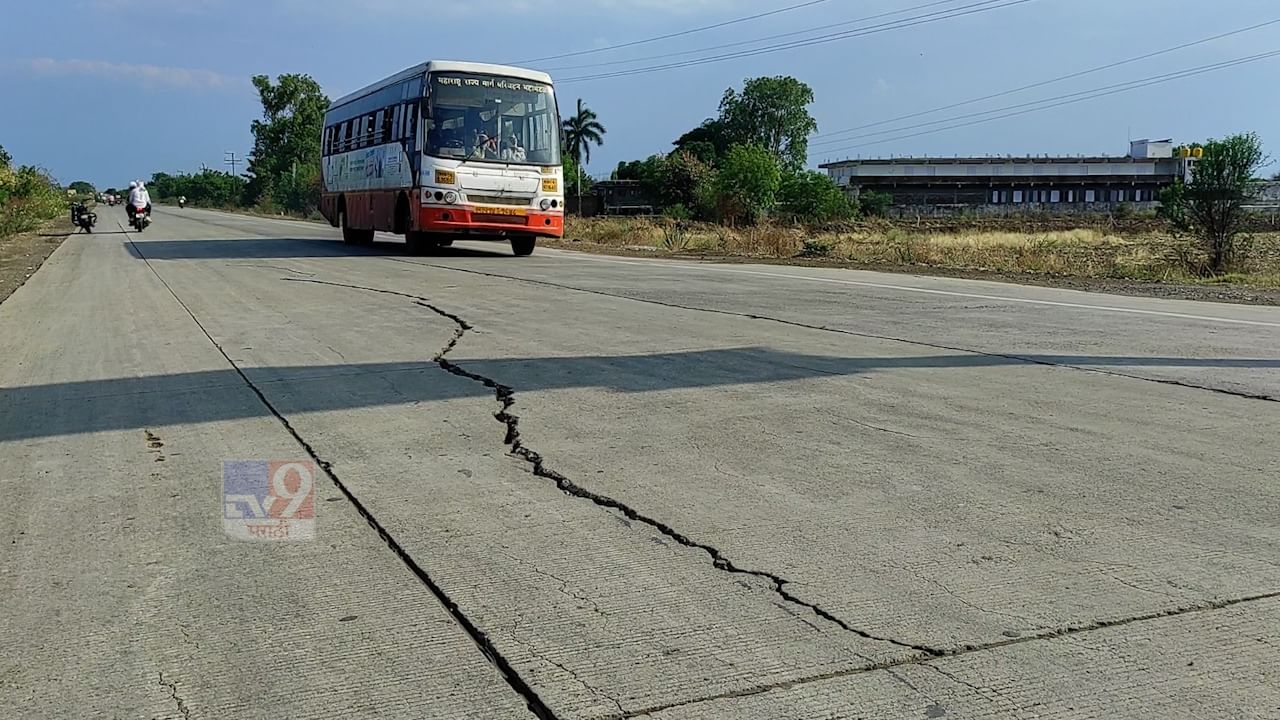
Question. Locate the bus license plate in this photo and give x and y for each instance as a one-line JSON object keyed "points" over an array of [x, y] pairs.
{"points": [[510, 211]]}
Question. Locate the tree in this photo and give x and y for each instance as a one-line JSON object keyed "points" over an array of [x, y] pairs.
{"points": [[6, 159], [1211, 205], [678, 178], [628, 170], [747, 184], [580, 131], [874, 204], [286, 141], [773, 113], [1275, 177], [708, 142], [80, 187], [813, 197]]}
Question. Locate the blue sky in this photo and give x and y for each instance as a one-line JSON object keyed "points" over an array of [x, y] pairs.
{"points": [[106, 90]]}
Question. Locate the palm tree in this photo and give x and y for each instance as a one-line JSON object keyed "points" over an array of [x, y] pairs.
{"points": [[580, 131]]}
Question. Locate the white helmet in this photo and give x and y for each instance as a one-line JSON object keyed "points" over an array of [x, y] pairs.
{"points": [[133, 184]]}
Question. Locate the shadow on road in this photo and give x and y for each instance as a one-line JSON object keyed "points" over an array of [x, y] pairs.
{"points": [[208, 396], [143, 248]]}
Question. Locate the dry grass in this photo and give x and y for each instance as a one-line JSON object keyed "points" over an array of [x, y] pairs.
{"points": [[1141, 254]]}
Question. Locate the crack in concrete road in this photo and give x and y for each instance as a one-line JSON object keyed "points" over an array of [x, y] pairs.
{"points": [[505, 396], [598, 692], [482, 641], [854, 333], [923, 655], [1064, 632], [173, 695], [564, 584]]}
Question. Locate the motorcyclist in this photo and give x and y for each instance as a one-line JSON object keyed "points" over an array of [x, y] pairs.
{"points": [[128, 204], [138, 198], [182, 201]]}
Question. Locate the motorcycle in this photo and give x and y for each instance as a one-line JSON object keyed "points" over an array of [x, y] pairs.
{"points": [[182, 203], [83, 218], [141, 218]]}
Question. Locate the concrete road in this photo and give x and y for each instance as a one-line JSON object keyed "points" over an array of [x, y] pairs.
{"points": [[569, 487]]}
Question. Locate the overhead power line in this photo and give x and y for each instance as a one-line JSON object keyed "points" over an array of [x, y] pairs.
{"points": [[1069, 99], [766, 38], [681, 33], [1043, 83], [974, 8]]}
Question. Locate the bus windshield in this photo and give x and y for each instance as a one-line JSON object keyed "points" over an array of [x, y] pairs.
{"points": [[486, 118]]}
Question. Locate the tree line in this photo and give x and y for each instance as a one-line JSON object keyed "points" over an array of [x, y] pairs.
{"points": [[748, 163]]}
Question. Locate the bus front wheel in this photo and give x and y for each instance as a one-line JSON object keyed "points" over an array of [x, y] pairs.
{"points": [[522, 246]]}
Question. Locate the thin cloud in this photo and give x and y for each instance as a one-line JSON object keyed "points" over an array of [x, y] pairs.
{"points": [[148, 75]]}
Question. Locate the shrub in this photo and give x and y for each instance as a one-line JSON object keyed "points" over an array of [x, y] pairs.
{"points": [[875, 204], [816, 248], [812, 197], [28, 197], [747, 184]]}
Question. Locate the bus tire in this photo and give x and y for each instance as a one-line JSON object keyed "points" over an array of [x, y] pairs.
{"points": [[353, 236], [522, 246], [420, 243]]}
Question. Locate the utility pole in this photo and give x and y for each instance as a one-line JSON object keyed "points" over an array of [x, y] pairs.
{"points": [[232, 160]]}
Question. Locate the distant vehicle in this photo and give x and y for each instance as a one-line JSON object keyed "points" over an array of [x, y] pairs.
{"points": [[446, 150]]}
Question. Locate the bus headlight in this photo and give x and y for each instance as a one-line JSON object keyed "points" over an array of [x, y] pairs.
{"points": [[451, 197], [546, 204]]}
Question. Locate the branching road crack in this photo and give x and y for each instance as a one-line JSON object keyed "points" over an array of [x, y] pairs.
{"points": [[505, 396], [922, 654]]}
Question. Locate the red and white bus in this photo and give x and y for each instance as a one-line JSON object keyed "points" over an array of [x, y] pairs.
{"points": [[446, 150]]}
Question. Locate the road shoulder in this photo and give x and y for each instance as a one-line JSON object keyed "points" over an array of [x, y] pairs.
{"points": [[22, 255]]}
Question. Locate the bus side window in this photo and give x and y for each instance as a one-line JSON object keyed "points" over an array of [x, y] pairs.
{"points": [[388, 124], [378, 120], [368, 130], [397, 123], [411, 122]]}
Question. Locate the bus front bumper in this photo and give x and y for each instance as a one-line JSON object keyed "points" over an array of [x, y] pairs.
{"points": [[463, 220]]}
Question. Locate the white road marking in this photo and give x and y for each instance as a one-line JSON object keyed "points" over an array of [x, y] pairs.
{"points": [[927, 291]]}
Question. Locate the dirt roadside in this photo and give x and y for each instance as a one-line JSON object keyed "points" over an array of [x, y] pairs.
{"points": [[22, 254]]}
